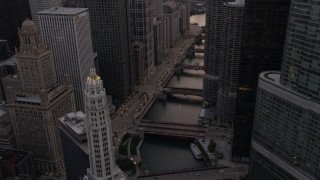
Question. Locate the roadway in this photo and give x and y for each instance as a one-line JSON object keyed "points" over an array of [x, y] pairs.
{"points": [[137, 102], [210, 174]]}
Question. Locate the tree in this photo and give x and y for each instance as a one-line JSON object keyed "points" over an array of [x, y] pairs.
{"points": [[212, 146]]}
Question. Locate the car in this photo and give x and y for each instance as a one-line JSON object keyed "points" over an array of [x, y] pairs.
{"points": [[221, 171], [197, 174]]}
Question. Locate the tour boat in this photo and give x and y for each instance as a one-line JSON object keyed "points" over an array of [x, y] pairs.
{"points": [[195, 151]]}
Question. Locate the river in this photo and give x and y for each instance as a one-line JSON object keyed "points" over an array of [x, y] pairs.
{"points": [[161, 153]]}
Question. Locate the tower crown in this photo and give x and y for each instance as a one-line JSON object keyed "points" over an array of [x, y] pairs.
{"points": [[94, 84], [31, 41], [29, 26]]}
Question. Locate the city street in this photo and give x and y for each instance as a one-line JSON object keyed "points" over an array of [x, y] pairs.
{"points": [[152, 84], [211, 174]]}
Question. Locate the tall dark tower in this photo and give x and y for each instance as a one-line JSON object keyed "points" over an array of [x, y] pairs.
{"points": [[264, 29], [211, 55], [111, 40], [12, 14], [285, 138]]}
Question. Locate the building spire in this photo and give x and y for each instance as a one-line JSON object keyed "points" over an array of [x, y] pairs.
{"points": [[99, 132]]}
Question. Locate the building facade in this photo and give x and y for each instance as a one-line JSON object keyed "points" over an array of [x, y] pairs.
{"points": [[12, 14], [14, 163], [99, 132], [141, 21], [157, 8], [35, 108], [229, 60], [285, 138], [73, 135], [211, 54], [111, 39], [39, 5], [138, 56], [7, 139], [172, 11], [264, 30], [67, 31], [12, 80]]}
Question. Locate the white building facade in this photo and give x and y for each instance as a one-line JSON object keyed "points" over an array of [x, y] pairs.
{"points": [[99, 131], [40, 5], [68, 32]]}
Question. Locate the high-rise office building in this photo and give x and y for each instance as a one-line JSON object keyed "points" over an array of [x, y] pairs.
{"points": [[99, 132], [39, 5], [285, 138], [12, 14], [111, 40], [264, 30], [229, 60], [74, 142], [138, 56], [67, 31], [172, 11], [35, 108], [211, 55], [141, 21], [157, 8], [7, 139]]}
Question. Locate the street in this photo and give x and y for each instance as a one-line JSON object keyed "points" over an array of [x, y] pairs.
{"points": [[136, 103]]}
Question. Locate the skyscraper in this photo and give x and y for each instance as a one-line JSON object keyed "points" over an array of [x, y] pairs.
{"points": [[7, 139], [111, 40], [99, 132], [229, 60], [211, 55], [264, 30], [39, 5], [12, 14], [74, 143], [142, 29], [285, 141], [67, 31], [35, 108], [172, 11], [157, 8]]}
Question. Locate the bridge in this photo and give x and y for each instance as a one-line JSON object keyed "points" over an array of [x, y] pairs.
{"points": [[179, 67], [184, 91], [195, 66], [193, 50], [200, 37], [171, 129]]}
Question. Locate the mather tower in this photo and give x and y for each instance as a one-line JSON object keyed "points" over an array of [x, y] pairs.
{"points": [[99, 131], [36, 107]]}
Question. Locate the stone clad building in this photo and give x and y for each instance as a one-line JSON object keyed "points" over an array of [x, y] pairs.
{"points": [[35, 108]]}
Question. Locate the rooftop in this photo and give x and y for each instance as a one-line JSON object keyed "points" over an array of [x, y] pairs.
{"points": [[64, 11], [76, 121], [2, 112], [14, 157], [236, 3], [9, 62], [25, 98]]}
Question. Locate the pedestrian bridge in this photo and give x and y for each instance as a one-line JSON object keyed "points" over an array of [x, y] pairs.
{"points": [[171, 129]]}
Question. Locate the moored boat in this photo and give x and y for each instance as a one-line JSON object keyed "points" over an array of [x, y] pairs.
{"points": [[195, 151]]}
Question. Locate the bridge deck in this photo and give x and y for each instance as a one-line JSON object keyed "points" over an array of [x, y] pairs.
{"points": [[185, 91], [173, 126], [173, 129]]}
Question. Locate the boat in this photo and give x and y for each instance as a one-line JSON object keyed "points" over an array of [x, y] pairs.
{"points": [[195, 151]]}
